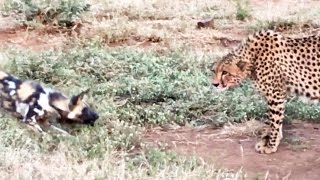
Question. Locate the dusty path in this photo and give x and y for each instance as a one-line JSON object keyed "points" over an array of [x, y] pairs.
{"points": [[20, 36], [297, 157]]}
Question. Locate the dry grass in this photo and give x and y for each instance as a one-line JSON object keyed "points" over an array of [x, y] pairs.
{"points": [[61, 164], [173, 22], [249, 128], [4, 60]]}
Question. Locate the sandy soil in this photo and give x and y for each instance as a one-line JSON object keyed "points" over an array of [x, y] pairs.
{"points": [[297, 156]]}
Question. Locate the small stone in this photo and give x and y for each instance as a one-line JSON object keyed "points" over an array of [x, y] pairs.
{"points": [[207, 23]]}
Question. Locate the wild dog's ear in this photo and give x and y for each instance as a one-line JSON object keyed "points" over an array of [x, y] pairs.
{"points": [[77, 99], [81, 95]]}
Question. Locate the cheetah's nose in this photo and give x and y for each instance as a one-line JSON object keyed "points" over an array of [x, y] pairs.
{"points": [[215, 84]]}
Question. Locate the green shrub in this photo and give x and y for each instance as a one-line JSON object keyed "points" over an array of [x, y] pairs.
{"points": [[57, 12]]}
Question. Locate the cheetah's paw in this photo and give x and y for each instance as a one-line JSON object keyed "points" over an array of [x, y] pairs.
{"points": [[263, 147]]}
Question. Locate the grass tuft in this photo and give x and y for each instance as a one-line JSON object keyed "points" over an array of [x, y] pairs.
{"points": [[242, 10]]}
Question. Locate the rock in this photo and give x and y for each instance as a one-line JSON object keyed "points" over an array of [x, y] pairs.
{"points": [[207, 23]]}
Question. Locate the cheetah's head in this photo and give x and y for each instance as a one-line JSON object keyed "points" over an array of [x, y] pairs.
{"points": [[228, 72]]}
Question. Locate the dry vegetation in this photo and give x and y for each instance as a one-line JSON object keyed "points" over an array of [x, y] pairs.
{"points": [[148, 66]]}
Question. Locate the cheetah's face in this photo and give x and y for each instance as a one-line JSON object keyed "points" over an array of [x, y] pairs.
{"points": [[227, 73]]}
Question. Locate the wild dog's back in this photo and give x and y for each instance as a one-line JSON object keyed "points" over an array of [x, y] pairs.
{"points": [[20, 97]]}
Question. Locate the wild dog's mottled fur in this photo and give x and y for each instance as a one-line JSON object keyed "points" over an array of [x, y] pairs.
{"points": [[33, 103]]}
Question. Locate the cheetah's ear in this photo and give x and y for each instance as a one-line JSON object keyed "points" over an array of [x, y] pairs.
{"points": [[241, 65]]}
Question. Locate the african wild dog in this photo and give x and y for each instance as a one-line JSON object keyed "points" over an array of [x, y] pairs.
{"points": [[34, 104]]}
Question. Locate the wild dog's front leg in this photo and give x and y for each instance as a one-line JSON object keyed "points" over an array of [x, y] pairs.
{"points": [[44, 119], [33, 123], [273, 131]]}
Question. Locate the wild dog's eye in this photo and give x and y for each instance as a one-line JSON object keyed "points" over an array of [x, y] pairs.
{"points": [[213, 71], [224, 72]]}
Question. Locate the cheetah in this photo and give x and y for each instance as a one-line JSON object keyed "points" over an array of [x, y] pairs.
{"points": [[279, 66]]}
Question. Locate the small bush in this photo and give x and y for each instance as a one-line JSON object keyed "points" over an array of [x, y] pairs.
{"points": [[277, 25], [63, 12], [242, 10]]}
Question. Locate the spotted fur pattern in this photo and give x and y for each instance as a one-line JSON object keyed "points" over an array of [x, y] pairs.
{"points": [[33, 104], [279, 66]]}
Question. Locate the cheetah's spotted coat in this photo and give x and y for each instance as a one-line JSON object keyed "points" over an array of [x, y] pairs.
{"points": [[279, 66]]}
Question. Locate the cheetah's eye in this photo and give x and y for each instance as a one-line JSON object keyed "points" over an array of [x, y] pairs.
{"points": [[224, 72]]}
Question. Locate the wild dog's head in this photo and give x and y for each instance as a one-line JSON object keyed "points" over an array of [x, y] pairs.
{"points": [[75, 109], [80, 110]]}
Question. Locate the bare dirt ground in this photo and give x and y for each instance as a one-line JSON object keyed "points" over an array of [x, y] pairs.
{"points": [[35, 39], [297, 156]]}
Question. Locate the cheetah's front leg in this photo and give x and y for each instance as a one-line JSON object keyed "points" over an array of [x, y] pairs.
{"points": [[273, 131]]}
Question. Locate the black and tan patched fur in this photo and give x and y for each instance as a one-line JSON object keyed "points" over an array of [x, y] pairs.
{"points": [[34, 104]]}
